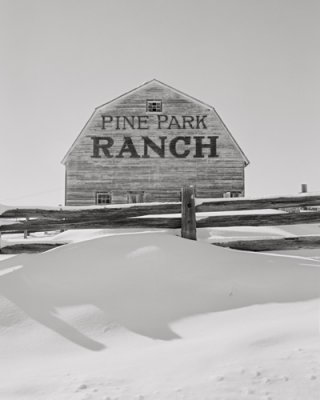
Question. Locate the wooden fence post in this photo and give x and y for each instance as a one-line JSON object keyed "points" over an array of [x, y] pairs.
{"points": [[188, 213], [304, 189], [25, 233]]}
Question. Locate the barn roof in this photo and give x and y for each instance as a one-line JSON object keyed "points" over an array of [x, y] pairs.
{"points": [[168, 87]]}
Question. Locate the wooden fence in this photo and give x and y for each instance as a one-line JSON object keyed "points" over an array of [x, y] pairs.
{"points": [[185, 215]]}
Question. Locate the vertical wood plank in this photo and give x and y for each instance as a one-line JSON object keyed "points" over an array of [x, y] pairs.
{"points": [[188, 213]]}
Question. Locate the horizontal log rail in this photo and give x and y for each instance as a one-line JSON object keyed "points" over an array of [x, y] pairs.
{"points": [[29, 247], [90, 213], [274, 244], [202, 205], [260, 220], [42, 225], [136, 216], [272, 202]]}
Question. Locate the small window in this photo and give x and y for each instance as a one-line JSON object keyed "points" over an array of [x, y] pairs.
{"points": [[232, 194], [236, 194], [103, 198], [135, 197], [154, 106]]}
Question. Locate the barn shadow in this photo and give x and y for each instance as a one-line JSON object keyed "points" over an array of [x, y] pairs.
{"points": [[38, 305]]}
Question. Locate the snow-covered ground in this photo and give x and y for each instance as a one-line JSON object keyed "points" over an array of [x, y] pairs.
{"points": [[147, 315]]}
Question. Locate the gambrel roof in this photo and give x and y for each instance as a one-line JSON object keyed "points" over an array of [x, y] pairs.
{"points": [[143, 86]]}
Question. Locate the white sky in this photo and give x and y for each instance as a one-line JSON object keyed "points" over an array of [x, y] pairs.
{"points": [[256, 61]]}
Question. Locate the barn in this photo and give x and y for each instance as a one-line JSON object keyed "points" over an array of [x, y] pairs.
{"points": [[146, 144]]}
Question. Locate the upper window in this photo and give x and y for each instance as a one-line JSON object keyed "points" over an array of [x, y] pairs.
{"points": [[103, 198], [154, 106]]}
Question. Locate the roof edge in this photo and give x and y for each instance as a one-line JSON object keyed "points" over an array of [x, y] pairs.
{"points": [[246, 160], [162, 84], [64, 160]]}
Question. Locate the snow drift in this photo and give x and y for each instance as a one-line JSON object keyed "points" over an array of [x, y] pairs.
{"points": [[153, 316], [146, 281]]}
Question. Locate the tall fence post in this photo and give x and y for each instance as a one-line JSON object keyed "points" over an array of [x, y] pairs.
{"points": [[304, 188], [188, 213], [25, 233]]}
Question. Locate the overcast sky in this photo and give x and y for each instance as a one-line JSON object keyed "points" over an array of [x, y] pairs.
{"points": [[256, 61]]}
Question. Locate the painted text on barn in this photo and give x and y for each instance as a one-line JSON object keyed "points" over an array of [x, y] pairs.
{"points": [[178, 147], [163, 121]]}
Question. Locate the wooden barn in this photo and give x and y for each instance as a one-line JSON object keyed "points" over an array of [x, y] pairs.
{"points": [[146, 144]]}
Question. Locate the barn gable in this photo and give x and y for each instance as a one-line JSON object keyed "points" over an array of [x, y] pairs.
{"points": [[149, 90], [146, 144]]}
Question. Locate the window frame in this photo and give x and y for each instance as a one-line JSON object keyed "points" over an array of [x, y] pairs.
{"points": [[149, 101], [109, 194], [138, 194]]}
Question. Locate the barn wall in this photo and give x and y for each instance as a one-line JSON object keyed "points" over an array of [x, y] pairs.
{"points": [[160, 178]]}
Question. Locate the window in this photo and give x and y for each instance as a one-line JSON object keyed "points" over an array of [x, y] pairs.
{"points": [[135, 197], [233, 194], [236, 194], [103, 198], [154, 106]]}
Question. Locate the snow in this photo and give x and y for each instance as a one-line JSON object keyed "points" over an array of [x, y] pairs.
{"points": [[148, 315], [4, 208], [209, 235]]}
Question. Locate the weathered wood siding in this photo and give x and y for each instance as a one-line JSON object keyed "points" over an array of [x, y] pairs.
{"points": [[159, 178]]}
